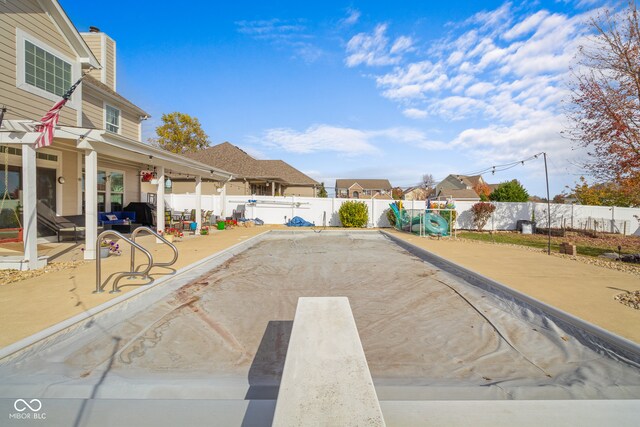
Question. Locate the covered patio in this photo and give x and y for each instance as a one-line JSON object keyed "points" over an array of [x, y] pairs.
{"points": [[91, 147]]}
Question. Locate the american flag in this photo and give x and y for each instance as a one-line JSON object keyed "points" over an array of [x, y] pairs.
{"points": [[49, 121]]}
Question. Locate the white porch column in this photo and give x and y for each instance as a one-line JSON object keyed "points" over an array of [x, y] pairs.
{"points": [[91, 203], [273, 189], [160, 201], [198, 203], [29, 200], [223, 200]]}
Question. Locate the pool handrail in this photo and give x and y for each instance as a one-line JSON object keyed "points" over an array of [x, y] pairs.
{"points": [[158, 236], [122, 274]]}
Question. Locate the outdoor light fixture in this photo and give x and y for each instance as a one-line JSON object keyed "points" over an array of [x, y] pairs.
{"points": [[168, 183], [61, 180]]}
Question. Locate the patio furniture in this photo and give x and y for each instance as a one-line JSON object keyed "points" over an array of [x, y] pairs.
{"points": [[118, 217], [59, 224]]}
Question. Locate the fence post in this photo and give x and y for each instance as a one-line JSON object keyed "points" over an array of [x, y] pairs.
{"points": [[613, 219]]}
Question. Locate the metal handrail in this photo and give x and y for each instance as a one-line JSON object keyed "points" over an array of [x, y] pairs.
{"points": [[159, 236], [133, 273]]}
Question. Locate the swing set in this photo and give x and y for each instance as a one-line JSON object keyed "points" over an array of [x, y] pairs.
{"points": [[10, 226]]}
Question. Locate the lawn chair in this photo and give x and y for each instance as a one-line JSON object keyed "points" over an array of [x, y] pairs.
{"points": [[59, 224]]}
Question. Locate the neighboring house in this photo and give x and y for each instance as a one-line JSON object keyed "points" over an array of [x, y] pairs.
{"points": [[459, 187], [96, 158], [251, 176], [363, 188], [415, 193]]}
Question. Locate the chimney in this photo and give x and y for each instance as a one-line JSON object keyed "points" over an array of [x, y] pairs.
{"points": [[104, 49]]}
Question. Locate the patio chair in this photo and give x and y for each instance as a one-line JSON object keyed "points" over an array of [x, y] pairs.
{"points": [[59, 224]]}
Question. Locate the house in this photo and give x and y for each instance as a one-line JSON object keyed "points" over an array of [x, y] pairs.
{"points": [[251, 176], [96, 158], [460, 187], [415, 193], [363, 188]]}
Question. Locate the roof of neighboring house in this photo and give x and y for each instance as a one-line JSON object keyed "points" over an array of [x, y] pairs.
{"points": [[366, 184], [459, 194], [101, 87], [229, 157]]}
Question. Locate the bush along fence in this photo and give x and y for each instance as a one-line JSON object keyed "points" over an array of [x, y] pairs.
{"points": [[325, 211]]}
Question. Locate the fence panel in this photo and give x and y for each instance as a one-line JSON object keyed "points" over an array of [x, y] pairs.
{"points": [[278, 210]]}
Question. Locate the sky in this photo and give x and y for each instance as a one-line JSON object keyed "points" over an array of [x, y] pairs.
{"points": [[361, 89]]}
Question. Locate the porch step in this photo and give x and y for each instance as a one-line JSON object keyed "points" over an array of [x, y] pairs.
{"points": [[19, 263]]}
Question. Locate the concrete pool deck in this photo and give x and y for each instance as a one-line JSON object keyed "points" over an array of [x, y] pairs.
{"points": [[586, 291]]}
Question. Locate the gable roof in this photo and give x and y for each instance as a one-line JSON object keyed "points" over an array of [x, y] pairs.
{"points": [[70, 32], [366, 184], [106, 90], [229, 157], [459, 194]]}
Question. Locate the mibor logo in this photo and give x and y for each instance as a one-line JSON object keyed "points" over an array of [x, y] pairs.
{"points": [[27, 409], [21, 405]]}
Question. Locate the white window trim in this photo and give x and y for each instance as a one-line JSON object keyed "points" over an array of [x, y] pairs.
{"points": [[21, 83], [104, 118]]}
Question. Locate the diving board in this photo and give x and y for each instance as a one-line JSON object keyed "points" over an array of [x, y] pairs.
{"points": [[326, 379]]}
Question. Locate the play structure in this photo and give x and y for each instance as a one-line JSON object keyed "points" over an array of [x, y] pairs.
{"points": [[436, 220]]}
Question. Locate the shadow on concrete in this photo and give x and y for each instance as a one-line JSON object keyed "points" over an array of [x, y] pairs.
{"points": [[265, 373], [94, 393]]}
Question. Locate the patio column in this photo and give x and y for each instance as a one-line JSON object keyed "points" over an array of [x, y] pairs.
{"points": [[29, 200], [223, 200], [160, 201], [273, 189], [91, 203], [198, 203]]}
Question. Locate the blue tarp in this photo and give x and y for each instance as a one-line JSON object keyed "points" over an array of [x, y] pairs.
{"points": [[296, 221]]}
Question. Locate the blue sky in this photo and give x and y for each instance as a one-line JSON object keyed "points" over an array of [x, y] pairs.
{"points": [[360, 89]]}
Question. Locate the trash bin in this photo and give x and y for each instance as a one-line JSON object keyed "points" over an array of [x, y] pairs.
{"points": [[525, 227], [220, 225]]}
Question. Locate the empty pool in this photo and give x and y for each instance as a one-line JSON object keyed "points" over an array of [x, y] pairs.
{"points": [[427, 333]]}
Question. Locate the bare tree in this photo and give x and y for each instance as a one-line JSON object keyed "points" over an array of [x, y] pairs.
{"points": [[605, 110], [428, 181]]}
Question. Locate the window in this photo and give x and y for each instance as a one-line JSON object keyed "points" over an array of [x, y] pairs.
{"points": [[110, 189], [112, 119], [116, 180], [45, 70]]}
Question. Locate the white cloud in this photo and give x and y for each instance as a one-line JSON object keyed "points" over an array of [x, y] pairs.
{"points": [[320, 138], [352, 17], [289, 34], [479, 89], [344, 140], [373, 49], [526, 26], [415, 113]]}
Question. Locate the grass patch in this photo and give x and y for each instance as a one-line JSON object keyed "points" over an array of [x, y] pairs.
{"points": [[533, 240]]}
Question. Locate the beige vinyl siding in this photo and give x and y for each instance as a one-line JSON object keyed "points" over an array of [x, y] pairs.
{"points": [[92, 110], [70, 187], [184, 187], [110, 63], [27, 15], [128, 124], [94, 41], [237, 188], [299, 191]]}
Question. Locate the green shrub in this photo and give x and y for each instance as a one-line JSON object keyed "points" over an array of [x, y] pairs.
{"points": [[354, 214], [391, 217]]}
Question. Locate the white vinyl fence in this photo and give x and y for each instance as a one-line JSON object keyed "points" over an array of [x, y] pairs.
{"points": [[324, 211]]}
